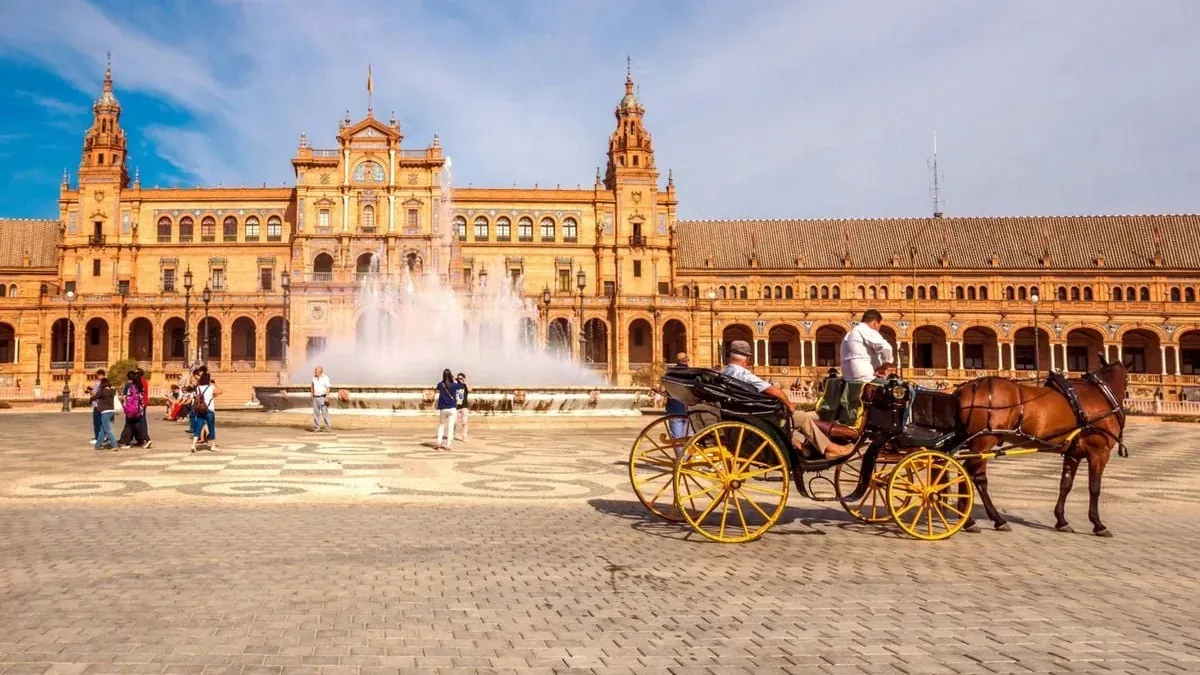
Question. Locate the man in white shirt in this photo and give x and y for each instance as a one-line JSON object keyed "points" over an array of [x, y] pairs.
{"points": [[804, 428], [866, 355], [320, 391]]}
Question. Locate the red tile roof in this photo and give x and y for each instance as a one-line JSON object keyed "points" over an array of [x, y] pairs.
{"points": [[38, 238]]}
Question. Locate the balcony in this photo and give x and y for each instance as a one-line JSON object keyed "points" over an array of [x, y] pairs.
{"points": [[637, 240], [96, 240], [321, 277], [329, 154], [60, 365], [525, 239]]}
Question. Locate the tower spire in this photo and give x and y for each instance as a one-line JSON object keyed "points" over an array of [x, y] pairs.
{"points": [[108, 72]]}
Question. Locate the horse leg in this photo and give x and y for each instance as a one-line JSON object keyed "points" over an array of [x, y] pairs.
{"points": [[981, 486], [972, 467], [1096, 459], [1070, 464]]}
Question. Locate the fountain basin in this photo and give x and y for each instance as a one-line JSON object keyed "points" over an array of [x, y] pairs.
{"points": [[500, 401]]}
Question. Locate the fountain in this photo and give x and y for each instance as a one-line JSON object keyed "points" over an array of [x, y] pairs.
{"points": [[417, 321]]}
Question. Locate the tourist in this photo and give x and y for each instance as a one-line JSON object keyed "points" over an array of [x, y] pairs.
{"points": [[174, 403], [866, 354], [100, 375], [462, 405], [204, 410], [446, 392], [804, 428], [319, 390], [133, 404], [677, 427], [104, 403]]}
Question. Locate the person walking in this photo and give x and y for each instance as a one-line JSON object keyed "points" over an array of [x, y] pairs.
{"points": [[104, 402], [446, 394], [319, 389], [133, 404], [462, 405], [100, 376], [204, 408]]}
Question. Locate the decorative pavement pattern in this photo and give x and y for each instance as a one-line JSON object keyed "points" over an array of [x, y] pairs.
{"points": [[525, 551]]}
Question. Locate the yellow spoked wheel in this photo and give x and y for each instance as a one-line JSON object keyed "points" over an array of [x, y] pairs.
{"points": [[732, 482], [930, 495], [873, 506], [652, 464]]}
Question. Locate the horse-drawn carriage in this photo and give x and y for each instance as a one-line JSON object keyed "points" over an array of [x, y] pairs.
{"points": [[726, 467]]}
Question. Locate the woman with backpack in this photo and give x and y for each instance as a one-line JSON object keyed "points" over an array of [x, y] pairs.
{"points": [[133, 404], [203, 408], [104, 396]]}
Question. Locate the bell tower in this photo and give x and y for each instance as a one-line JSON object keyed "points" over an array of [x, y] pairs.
{"points": [[630, 151], [104, 150]]}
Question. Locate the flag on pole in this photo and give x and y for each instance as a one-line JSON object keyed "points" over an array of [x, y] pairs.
{"points": [[370, 84]]}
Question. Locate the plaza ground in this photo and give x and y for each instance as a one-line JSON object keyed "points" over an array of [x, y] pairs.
{"points": [[525, 551]]}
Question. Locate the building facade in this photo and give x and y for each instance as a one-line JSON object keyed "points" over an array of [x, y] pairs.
{"points": [[123, 271]]}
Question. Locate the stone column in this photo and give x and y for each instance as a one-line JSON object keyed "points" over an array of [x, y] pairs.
{"points": [[1178, 365], [1163, 359], [260, 345], [949, 358], [1053, 351], [962, 364], [999, 356]]}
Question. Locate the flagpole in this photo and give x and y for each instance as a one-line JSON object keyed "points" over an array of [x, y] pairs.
{"points": [[370, 90]]}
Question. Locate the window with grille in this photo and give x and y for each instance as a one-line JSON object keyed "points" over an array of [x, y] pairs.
{"points": [[610, 289], [547, 229], [95, 267], [525, 229], [229, 229], [123, 287], [564, 280], [481, 229], [413, 221], [218, 279], [323, 220], [168, 280], [208, 229], [266, 278], [164, 230], [274, 229], [570, 230], [460, 228], [503, 229], [186, 228], [637, 268], [252, 228], [368, 218], [664, 288]]}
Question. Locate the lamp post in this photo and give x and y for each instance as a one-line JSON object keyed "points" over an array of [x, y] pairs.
{"points": [[285, 282], [206, 296], [581, 282], [712, 327], [37, 382], [1037, 338], [546, 310], [483, 275], [187, 319], [68, 342]]}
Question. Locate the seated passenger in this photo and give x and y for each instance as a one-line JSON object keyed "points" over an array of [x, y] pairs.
{"points": [[866, 354], [804, 429]]}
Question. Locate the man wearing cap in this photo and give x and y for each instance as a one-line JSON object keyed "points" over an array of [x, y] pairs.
{"points": [[866, 355], [804, 428]]}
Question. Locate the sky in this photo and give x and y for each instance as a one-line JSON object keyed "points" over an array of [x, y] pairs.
{"points": [[788, 109]]}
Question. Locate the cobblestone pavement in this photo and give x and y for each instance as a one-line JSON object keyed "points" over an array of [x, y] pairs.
{"points": [[524, 551]]}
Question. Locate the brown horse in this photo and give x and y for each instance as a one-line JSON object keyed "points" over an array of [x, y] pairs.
{"points": [[994, 404]]}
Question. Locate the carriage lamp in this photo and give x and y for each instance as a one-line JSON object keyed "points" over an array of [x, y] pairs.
{"points": [[581, 280], [546, 296]]}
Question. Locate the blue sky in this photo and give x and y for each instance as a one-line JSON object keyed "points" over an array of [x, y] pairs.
{"points": [[787, 109]]}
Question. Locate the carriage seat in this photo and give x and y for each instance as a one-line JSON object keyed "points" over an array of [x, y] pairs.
{"points": [[839, 412], [922, 437], [837, 432]]}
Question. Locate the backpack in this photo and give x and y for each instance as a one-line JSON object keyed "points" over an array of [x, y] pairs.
{"points": [[199, 405], [133, 404]]}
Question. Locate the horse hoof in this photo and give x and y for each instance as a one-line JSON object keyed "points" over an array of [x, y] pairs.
{"points": [[972, 528], [1004, 527], [1104, 533], [1065, 528]]}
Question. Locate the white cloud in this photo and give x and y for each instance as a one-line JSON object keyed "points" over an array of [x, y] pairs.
{"points": [[781, 110]]}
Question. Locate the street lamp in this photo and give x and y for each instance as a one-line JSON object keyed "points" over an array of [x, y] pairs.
{"points": [[285, 282], [1037, 338], [712, 326], [68, 342], [581, 282], [206, 296], [545, 311], [37, 382], [483, 275], [187, 319]]}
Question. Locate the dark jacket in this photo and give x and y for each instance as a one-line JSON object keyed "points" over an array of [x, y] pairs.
{"points": [[105, 399]]}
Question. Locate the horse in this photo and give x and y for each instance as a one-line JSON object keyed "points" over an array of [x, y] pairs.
{"points": [[994, 410]]}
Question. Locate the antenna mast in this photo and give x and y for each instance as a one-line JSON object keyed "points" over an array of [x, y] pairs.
{"points": [[935, 178]]}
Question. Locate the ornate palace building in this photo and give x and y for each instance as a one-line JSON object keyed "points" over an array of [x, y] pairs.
{"points": [[121, 272]]}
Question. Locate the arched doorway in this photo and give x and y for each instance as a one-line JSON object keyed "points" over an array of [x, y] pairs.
{"points": [[212, 349], [929, 348], [173, 347], [1140, 351], [641, 349], [141, 340], [734, 332], [889, 334], [595, 332], [62, 343], [558, 338], [8, 343], [1084, 347], [980, 349], [674, 340], [829, 341], [783, 345], [95, 348], [365, 265], [1189, 353], [275, 338], [1023, 350], [242, 339], [323, 267]]}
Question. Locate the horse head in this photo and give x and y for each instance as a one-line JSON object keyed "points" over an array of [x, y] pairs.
{"points": [[1115, 375]]}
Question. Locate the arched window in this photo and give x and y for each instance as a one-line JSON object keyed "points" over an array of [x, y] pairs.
{"points": [[164, 229], [824, 292], [742, 294], [1010, 293], [883, 293], [503, 229], [779, 292], [1022, 294], [274, 228], [3, 290], [1189, 295], [1075, 293], [368, 218], [547, 229], [1144, 296], [721, 293], [186, 228], [908, 292], [481, 229], [1131, 294], [787, 293], [12, 290], [1087, 293], [920, 292], [687, 291], [229, 229], [1116, 294], [959, 293], [43, 289], [1176, 296], [1061, 294], [871, 292], [812, 292], [460, 227], [766, 292], [368, 172], [983, 292], [252, 228], [970, 292], [525, 229], [933, 293], [837, 292], [862, 291], [208, 229], [570, 230]]}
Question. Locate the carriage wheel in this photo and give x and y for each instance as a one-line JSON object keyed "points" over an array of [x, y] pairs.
{"points": [[873, 507], [732, 482], [930, 495], [652, 461]]}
